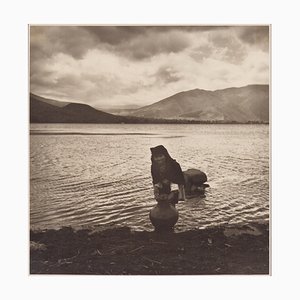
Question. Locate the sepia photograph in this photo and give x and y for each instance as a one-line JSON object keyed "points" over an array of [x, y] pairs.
{"points": [[149, 149]]}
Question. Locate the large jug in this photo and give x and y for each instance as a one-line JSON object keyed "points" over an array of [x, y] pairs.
{"points": [[163, 216]]}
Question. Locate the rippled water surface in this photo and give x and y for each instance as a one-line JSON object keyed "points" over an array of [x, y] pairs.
{"points": [[99, 175]]}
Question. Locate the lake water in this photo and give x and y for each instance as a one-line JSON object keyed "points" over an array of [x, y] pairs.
{"points": [[99, 175]]}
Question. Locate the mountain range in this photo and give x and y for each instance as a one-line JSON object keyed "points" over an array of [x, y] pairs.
{"points": [[43, 110], [244, 104]]}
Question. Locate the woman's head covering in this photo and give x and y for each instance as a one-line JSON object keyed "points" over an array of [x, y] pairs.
{"points": [[160, 149], [173, 170]]}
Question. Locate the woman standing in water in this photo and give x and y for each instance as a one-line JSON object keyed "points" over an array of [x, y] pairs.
{"points": [[165, 170]]}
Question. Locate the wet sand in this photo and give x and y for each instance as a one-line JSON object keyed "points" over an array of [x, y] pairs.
{"points": [[120, 251]]}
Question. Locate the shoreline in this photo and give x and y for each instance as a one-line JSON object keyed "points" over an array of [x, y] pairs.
{"points": [[239, 249]]}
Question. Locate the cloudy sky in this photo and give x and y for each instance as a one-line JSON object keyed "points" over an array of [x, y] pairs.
{"points": [[107, 66]]}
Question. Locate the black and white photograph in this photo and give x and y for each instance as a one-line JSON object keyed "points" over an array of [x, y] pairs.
{"points": [[149, 149]]}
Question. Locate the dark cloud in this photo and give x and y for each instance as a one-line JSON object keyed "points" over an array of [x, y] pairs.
{"points": [[114, 35], [257, 36], [232, 49], [154, 44], [220, 46], [167, 74], [134, 42], [46, 41], [230, 43], [140, 42]]}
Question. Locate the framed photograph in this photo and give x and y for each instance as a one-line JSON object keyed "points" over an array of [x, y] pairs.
{"points": [[150, 149]]}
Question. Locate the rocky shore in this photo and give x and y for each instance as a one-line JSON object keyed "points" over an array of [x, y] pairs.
{"points": [[120, 251]]}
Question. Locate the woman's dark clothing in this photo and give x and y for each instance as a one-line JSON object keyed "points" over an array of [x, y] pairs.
{"points": [[172, 172]]}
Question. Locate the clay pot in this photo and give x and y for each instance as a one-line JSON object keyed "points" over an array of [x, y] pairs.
{"points": [[163, 216]]}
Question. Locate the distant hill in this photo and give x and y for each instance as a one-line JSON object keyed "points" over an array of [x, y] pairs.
{"points": [[44, 112], [49, 101], [244, 104], [120, 111]]}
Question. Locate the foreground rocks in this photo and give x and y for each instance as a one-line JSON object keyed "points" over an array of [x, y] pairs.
{"points": [[120, 251]]}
